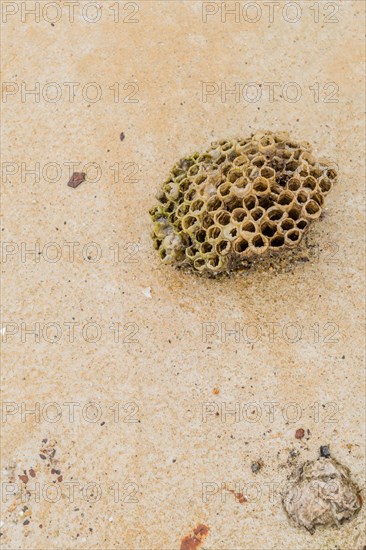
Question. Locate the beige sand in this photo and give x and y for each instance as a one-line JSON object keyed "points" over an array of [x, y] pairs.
{"points": [[298, 360]]}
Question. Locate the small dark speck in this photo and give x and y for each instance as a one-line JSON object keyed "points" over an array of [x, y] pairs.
{"points": [[102, 423], [324, 451], [174, 460], [26, 522], [121, 136], [52, 24], [255, 467], [343, 356]]}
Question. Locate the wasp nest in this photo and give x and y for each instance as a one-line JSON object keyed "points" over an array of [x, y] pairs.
{"points": [[322, 494], [239, 200]]}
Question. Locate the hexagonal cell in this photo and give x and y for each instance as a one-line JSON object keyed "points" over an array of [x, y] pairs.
{"points": [[191, 194], [292, 165], [294, 184], [277, 241], [325, 185], [331, 173], [222, 218], [241, 246], [302, 224], [189, 223], [192, 252], [213, 233], [302, 196], [198, 180], [275, 213], [285, 198], [230, 232], [242, 186], [241, 160], [250, 202], [294, 212], [286, 224], [312, 210], [223, 191], [199, 264], [248, 227], [261, 187], [214, 262], [201, 236], [303, 170], [267, 172], [309, 183], [268, 228], [206, 248], [292, 237], [223, 247], [259, 243], [317, 197], [207, 221], [213, 204], [266, 144], [182, 210], [258, 161], [238, 215], [316, 171], [197, 206], [257, 213], [193, 170], [234, 175]]}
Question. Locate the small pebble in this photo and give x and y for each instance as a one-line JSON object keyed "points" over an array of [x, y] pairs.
{"points": [[299, 434], [324, 451], [256, 466]]}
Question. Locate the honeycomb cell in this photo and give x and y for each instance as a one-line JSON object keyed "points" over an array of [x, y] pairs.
{"points": [[259, 243], [286, 224], [324, 185], [311, 210], [214, 204], [257, 213], [238, 215], [241, 246], [248, 227], [241, 199], [213, 233], [222, 218], [292, 237], [261, 187], [223, 247]]}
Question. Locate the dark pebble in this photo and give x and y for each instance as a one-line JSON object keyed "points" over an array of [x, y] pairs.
{"points": [[255, 467], [324, 451]]}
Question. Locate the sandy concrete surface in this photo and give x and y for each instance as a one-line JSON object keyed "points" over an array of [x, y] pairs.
{"points": [[118, 373]]}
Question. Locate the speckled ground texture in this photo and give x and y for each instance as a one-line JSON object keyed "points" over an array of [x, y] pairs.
{"points": [[137, 424]]}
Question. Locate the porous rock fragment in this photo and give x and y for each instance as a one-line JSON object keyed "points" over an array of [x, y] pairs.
{"points": [[322, 493]]}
